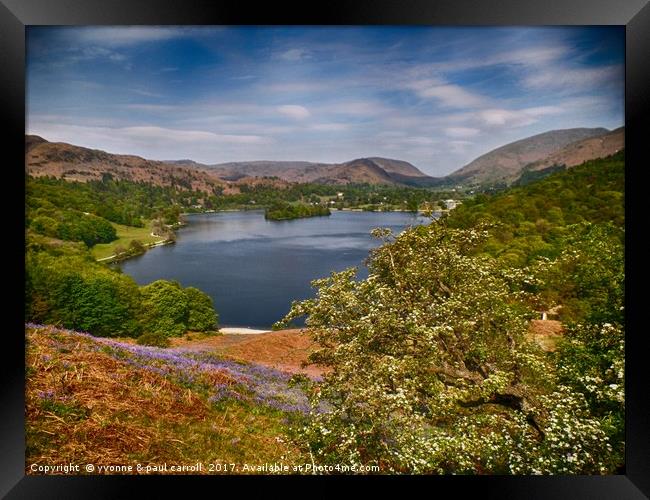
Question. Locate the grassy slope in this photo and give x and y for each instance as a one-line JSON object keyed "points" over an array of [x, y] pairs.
{"points": [[90, 401], [125, 235], [533, 218], [284, 350]]}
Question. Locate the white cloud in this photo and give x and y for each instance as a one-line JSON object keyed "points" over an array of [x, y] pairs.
{"points": [[449, 95], [419, 140], [115, 36], [295, 55], [158, 108], [459, 147], [453, 96], [294, 111], [159, 133], [461, 131], [295, 87], [98, 135], [146, 93], [527, 56], [356, 108], [515, 118], [330, 127], [573, 78]]}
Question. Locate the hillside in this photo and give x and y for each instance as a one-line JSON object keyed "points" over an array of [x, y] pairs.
{"points": [[578, 152], [75, 163], [362, 170], [287, 170], [435, 349], [284, 350], [501, 166], [399, 167], [532, 220], [99, 401], [504, 164], [357, 171]]}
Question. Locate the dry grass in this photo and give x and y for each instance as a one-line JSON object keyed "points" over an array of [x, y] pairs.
{"points": [[284, 350], [546, 333], [84, 406]]}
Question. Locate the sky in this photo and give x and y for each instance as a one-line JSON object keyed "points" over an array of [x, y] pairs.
{"points": [[437, 97]]}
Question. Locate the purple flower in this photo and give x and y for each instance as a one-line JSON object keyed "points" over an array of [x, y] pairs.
{"points": [[48, 395], [237, 380]]}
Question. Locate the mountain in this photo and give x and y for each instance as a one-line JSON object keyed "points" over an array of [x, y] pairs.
{"points": [[578, 152], [399, 167], [361, 170], [77, 163], [32, 140], [293, 171], [505, 164], [371, 170]]}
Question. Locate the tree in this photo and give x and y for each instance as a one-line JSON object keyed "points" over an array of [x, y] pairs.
{"points": [[81, 295], [587, 277], [45, 225], [157, 227], [136, 247], [202, 316], [164, 308], [591, 361], [431, 371]]}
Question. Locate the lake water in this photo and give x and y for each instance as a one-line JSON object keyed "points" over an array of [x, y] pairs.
{"points": [[253, 268]]}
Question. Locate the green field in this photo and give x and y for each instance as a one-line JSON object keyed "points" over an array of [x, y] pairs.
{"points": [[125, 234]]}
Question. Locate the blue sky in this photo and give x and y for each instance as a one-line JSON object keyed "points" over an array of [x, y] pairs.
{"points": [[435, 96]]}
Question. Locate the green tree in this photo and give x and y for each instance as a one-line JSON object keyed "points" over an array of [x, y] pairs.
{"points": [[431, 370], [78, 294], [45, 225], [136, 247], [202, 316], [165, 309], [587, 278], [591, 361]]}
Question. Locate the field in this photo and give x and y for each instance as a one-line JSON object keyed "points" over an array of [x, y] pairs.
{"points": [[107, 403], [125, 235]]}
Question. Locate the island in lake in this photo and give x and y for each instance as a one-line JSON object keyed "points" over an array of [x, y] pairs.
{"points": [[280, 210]]}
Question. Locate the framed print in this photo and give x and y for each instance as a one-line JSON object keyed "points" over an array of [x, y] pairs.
{"points": [[371, 240]]}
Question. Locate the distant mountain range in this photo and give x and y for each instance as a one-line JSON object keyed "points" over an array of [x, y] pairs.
{"points": [[503, 165], [370, 170]]}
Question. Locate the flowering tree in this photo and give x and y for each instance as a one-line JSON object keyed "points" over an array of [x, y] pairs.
{"points": [[431, 371]]}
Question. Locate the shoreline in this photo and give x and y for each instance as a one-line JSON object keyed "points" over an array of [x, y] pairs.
{"points": [[333, 210], [111, 259], [242, 330]]}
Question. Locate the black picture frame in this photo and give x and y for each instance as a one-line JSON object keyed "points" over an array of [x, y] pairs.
{"points": [[15, 15]]}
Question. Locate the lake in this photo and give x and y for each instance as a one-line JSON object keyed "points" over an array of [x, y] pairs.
{"points": [[253, 268]]}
